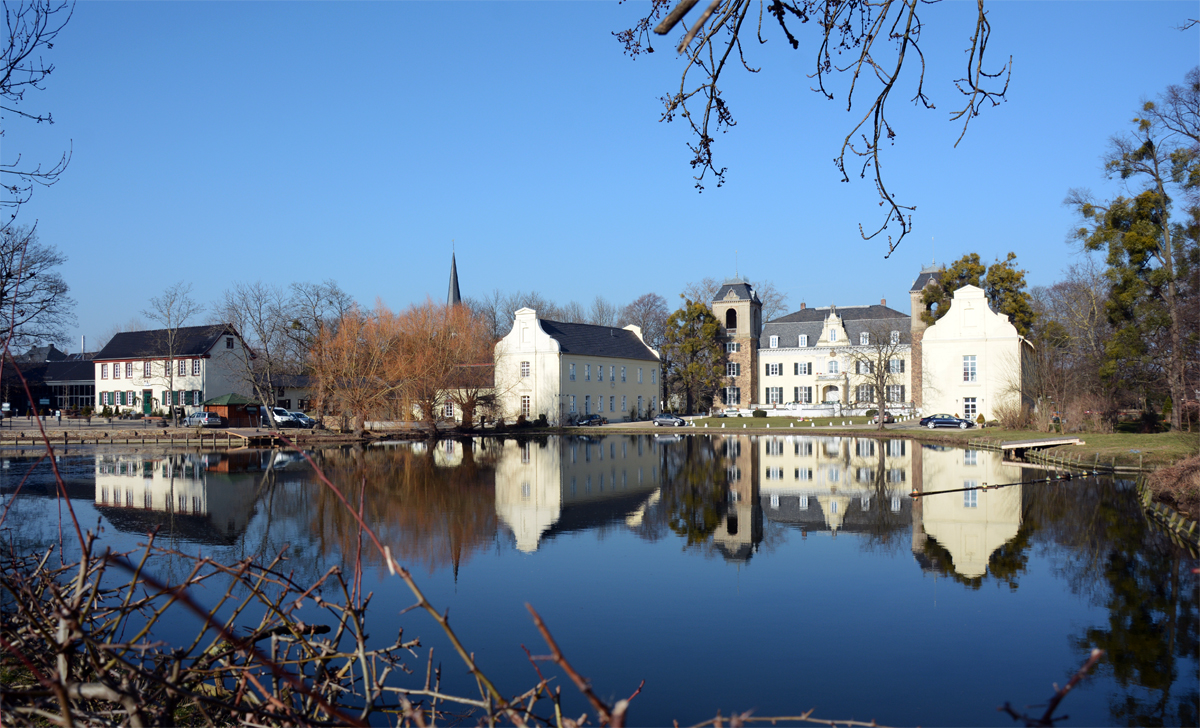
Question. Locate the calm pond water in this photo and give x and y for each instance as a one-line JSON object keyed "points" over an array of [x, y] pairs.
{"points": [[773, 574]]}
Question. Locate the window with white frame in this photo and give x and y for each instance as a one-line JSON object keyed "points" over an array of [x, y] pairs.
{"points": [[895, 504], [572, 403], [833, 334], [146, 369], [895, 393], [653, 376], [774, 395], [774, 500], [587, 372], [896, 366], [969, 368], [600, 373], [896, 448], [969, 408], [803, 395], [612, 373], [864, 448], [775, 473], [773, 446], [833, 366], [865, 393], [448, 411], [524, 370], [182, 369], [897, 475], [970, 497], [117, 370], [774, 370], [804, 367], [572, 374], [639, 375], [129, 370], [639, 410], [733, 369], [803, 339], [733, 395], [864, 367], [895, 337], [525, 405], [624, 406], [104, 371], [612, 403], [774, 342], [864, 339], [195, 367], [587, 404], [803, 503], [970, 457], [622, 374]]}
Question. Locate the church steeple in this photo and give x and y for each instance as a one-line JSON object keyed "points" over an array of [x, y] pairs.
{"points": [[453, 298]]}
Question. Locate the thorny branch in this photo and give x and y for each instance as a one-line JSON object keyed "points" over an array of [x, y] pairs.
{"points": [[875, 35]]}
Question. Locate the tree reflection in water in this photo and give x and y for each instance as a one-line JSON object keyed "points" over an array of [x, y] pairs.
{"points": [[433, 507]]}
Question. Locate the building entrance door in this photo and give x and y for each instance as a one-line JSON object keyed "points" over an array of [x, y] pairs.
{"points": [[147, 402]]}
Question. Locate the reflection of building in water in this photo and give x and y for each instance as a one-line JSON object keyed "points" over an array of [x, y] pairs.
{"points": [[208, 498], [739, 534], [574, 483], [835, 483], [970, 525]]}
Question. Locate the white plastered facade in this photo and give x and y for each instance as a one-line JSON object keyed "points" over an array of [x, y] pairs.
{"points": [[1001, 357], [530, 363]]}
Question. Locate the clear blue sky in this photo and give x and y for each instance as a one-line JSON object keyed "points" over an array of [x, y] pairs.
{"points": [[217, 142]]}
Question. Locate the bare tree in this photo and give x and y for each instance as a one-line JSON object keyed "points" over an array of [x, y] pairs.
{"points": [[875, 36], [649, 313], [172, 310], [573, 313], [34, 305], [135, 323], [774, 301], [704, 290], [879, 365], [602, 313], [263, 314]]}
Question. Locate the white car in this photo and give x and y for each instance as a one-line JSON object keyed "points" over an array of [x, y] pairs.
{"points": [[282, 418]]}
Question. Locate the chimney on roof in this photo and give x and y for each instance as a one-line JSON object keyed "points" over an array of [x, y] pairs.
{"points": [[803, 305], [883, 302]]}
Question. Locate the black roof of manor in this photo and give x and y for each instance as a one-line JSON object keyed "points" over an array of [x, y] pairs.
{"points": [[191, 341], [847, 313], [743, 290], [592, 340]]}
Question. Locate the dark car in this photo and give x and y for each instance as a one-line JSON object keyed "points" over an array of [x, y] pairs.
{"points": [[591, 421], [933, 421], [666, 419]]}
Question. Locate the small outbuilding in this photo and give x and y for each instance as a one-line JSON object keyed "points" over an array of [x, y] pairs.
{"points": [[237, 410]]}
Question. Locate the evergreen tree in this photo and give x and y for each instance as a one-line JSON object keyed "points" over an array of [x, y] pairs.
{"points": [[693, 346], [1002, 282]]}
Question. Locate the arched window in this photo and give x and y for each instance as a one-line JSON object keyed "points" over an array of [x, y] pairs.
{"points": [[731, 319]]}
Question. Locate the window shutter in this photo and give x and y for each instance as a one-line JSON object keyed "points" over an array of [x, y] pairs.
{"points": [[901, 366], [902, 398]]}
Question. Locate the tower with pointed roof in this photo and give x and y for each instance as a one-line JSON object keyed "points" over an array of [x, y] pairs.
{"points": [[453, 298], [739, 310], [929, 276]]}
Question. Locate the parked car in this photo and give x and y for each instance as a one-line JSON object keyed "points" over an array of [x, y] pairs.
{"points": [[203, 419], [888, 418], [283, 418], [933, 421], [304, 420], [591, 421], [666, 419]]}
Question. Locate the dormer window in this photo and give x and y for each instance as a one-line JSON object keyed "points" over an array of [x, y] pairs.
{"points": [[774, 342], [803, 339], [895, 337], [833, 334], [864, 339]]}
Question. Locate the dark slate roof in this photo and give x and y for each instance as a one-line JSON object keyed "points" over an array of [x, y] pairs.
{"points": [[848, 313], [926, 275], [453, 297], [591, 340], [70, 371], [744, 291], [42, 353], [191, 341], [855, 319]]}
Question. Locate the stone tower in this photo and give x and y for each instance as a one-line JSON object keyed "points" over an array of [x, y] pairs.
{"points": [[739, 310], [928, 277]]}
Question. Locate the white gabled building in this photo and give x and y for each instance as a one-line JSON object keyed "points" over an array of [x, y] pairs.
{"points": [[566, 371], [139, 371], [973, 360]]}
